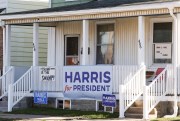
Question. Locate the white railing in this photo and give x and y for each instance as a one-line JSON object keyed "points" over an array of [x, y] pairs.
{"points": [[20, 89], [5, 80], [154, 92], [122, 74], [132, 90]]}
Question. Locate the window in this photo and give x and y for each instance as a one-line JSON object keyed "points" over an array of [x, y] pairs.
{"points": [[162, 40], [105, 44]]}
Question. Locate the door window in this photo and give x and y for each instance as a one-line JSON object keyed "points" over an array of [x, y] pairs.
{"points": [[71, 51], [105, 44]]}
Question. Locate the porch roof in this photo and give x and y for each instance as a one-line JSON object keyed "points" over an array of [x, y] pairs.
{"points": [[93, 10], [95, 4]]}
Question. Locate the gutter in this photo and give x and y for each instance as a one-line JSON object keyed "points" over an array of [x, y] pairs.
{"points": [[175, 61]]}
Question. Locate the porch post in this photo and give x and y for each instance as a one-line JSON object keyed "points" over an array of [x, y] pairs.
{"points": [[6, 44], [35, 44], [4, 48], [51, 46], [141, 40], [85, 42]]}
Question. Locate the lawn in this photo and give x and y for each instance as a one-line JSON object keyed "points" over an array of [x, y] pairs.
{"points": [[167, 119], [66, 113]]}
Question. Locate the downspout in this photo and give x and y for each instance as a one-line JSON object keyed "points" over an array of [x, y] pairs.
{"points": [[175, 59]]}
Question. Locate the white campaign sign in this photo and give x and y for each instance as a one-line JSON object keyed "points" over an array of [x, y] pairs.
{"points": [[47, 74], [163, 51], [89, 82]]}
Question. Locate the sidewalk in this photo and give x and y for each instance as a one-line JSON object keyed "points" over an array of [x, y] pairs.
{"points": [[53, 118]]}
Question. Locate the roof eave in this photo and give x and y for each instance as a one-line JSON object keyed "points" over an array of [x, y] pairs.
{"points": [[94, 11]]}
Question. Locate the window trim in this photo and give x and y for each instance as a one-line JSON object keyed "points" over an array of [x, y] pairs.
{"points": [[151, 43], [104, 23]]}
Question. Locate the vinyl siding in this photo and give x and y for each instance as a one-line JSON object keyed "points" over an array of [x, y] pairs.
{"points": [[2, 4], [56, 3], [125, 47], [22, 36]]}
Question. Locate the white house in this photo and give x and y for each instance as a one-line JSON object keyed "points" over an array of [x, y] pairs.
{"points": [[126, 48]]}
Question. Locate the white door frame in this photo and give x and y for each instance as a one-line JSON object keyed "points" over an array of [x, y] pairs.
{"points": [[65, 47]]}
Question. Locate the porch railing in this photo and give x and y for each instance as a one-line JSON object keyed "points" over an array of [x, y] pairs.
{"points": [[20, 89], [132, 90], [122, 74], [5, 80], [154, 92]]}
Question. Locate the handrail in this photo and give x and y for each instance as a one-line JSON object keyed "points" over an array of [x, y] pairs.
{"points": [[5, 80], [131, 91], [154, 92], [20, 88]]}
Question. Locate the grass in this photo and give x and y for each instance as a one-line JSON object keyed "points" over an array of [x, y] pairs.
{"points": [[4, 119], [66, 113], [167, 119]]}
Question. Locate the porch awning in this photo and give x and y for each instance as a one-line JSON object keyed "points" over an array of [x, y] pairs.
{"points": [[93, 10]]}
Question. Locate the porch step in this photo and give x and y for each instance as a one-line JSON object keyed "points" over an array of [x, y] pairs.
{"points": [[132, 115], [3, 109], [135, 110]]}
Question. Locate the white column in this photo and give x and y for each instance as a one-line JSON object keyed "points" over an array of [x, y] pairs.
{"points": [[51, 46], [4, 48], [85, 43], [7, 32], [141, 40], [35, 44]]}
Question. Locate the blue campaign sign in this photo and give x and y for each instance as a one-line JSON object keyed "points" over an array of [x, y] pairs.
{"points": [[40, 98], [109, 100]]}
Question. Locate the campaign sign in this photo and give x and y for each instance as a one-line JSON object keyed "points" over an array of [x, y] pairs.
{"points": [[47, 74], [88, 82], [40, 98], [109, 100]]}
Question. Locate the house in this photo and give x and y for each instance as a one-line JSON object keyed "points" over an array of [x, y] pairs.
{"points": [[21, 37], [126, 48], [21, 43]]}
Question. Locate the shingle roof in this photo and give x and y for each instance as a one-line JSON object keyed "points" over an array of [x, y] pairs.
{"points": [[95, 4]]}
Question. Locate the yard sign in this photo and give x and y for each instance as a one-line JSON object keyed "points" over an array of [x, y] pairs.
{"points": [[87, 81]]}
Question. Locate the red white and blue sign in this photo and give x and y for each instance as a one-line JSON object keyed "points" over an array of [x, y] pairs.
{"points": [[40, 97], [89, 82], [109, 100]]}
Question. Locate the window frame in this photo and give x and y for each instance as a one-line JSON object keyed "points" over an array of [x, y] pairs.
{"points": [[151, 43], [96, 44]]}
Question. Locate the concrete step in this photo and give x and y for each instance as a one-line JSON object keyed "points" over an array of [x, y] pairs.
{"points": [[132, 115], [135, 110], [3, 103], [138, 103], [3, 109]]}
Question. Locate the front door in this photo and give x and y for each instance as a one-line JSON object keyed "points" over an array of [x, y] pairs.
{"points": [[71, 50]]}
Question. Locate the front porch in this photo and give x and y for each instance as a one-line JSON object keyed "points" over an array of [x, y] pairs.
{"points": [[125, 46]]}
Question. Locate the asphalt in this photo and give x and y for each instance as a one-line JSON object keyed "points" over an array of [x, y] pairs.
{"points": [[24, 117]]}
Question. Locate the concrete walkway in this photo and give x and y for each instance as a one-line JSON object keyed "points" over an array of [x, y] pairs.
{"points": [[52, 118]]}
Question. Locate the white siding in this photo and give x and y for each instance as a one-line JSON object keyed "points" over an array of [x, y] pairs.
{"points": [[22, 37], [3, 4], [126, 40]]}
